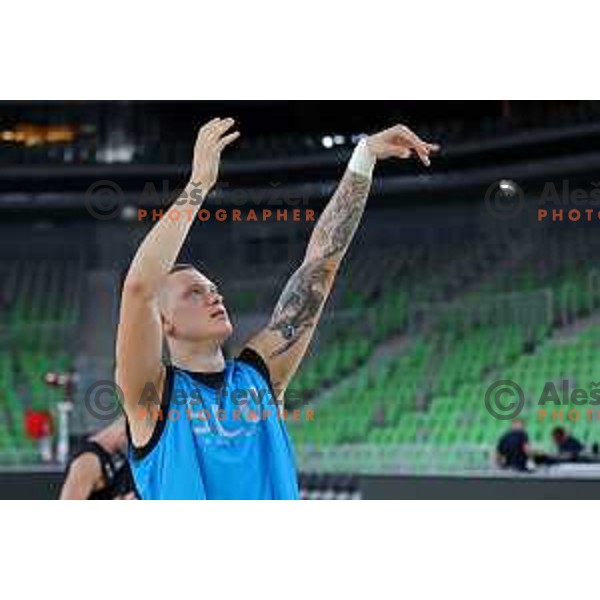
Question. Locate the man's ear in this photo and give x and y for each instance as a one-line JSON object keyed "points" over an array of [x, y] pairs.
{"points": [[166, 354], [167, 325]]}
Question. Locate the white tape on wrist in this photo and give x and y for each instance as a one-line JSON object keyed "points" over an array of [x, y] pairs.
{"points": [[362, 161]]}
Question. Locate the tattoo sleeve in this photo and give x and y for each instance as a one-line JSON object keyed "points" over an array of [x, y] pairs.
{"points": [[306, 291]]}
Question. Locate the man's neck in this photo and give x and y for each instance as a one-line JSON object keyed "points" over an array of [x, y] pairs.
{"points": [[199, 358]]}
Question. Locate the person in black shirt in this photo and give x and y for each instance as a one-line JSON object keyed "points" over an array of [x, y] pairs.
{"points": [[99, 469], [567, 445], [513, 448]]}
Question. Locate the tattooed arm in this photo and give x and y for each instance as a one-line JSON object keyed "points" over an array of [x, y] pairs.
{"points": [[283, 343]]}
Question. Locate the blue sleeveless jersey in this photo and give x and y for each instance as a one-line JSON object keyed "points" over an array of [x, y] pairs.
{"points": [[221, 436]]}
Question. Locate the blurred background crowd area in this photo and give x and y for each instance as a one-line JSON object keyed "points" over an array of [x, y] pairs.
{"points": [[162, 132], [442, 292]]}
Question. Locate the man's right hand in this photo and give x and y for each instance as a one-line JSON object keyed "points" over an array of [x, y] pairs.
{"points": [[401, 142], [207, 152]]}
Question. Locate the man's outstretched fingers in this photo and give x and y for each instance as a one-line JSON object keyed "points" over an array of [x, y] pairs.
{"points": [[424, 157], [422, 151], [212, 132], [207, 127], [205, 132], [225, 141], [221, 128]]}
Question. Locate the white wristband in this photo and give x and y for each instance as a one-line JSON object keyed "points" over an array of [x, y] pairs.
{"points": [[362, 161]]}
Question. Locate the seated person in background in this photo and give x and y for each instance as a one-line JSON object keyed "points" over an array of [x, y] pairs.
{"points": [[513, 448], [99, 469], [566, 445]]}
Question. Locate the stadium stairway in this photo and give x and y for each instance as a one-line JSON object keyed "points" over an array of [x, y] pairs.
{"points": [[94, 360]]}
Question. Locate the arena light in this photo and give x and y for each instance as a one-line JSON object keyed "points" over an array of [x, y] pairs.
{"points": [[129, 213], [36, 135], [508, 187], [327, 141], [122, 153]]}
